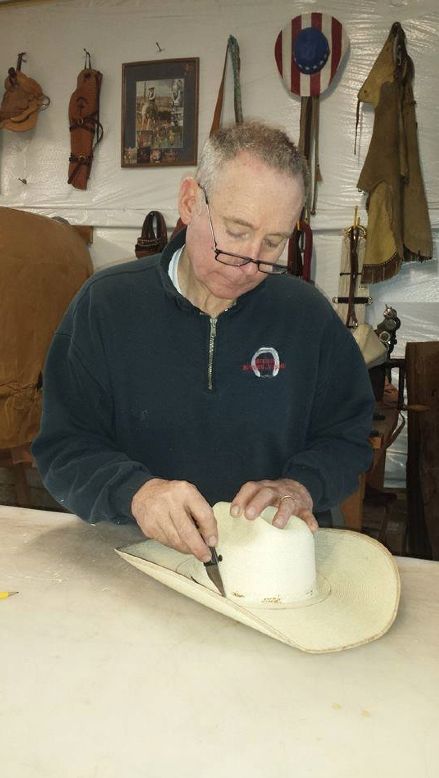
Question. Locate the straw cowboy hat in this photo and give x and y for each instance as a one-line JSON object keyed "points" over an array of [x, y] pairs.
{"points": [[327, 592]]}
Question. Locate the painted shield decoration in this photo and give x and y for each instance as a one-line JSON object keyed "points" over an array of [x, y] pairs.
{"points": [[308, 52]]}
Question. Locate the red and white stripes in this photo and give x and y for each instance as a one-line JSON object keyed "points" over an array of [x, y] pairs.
{"points": [[297, 82]]}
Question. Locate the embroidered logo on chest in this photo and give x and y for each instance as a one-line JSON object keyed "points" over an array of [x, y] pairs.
{"points": [[265, 363]]}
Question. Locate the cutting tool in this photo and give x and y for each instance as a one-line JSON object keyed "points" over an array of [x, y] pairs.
{"points": [[212, 570]]}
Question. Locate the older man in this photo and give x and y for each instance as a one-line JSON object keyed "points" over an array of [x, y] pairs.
{"points": [[207, 373]]}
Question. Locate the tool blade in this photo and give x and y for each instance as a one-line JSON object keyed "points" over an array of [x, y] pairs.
{"points": [[212, 570]]}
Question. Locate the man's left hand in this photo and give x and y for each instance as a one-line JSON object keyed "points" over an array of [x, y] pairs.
{"points": [[289, 497]]}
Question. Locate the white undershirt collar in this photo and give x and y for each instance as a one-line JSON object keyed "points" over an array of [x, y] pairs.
{"points": [[173, 269]]}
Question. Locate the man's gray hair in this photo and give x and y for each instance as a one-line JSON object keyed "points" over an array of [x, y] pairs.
{"points": [[270, 144]]}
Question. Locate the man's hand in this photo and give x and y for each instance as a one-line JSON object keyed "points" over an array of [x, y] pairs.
{"points": [[177, 515], [289, 497]]}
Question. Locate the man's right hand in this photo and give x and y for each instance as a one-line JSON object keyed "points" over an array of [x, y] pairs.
{"points": [[177, 515]]}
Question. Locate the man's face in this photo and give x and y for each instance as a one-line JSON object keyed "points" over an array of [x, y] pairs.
{"points": [[253, 210]]}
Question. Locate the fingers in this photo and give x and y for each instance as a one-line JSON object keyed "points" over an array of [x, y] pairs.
{"points": [[189, 536], [255, 496], [290, 497], [261, 499], [310, 520], [290, 507], [176, 514], [201, 512], [168, 535], [244, 501]]}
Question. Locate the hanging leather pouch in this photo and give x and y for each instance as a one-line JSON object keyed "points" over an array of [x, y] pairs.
{"points": [[86, 131], [154, 235]]}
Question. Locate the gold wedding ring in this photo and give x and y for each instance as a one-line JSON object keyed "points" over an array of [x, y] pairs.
{"points": [[286, 497]]}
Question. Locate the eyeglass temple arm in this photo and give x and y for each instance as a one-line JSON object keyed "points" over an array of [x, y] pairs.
{"points": [[215, 244]]}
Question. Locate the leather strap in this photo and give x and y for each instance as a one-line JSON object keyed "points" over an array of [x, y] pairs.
{"points": [[353, 294], [233, 50], [315, 138], [300, 251], [351, 318], [92, 124], [309, 146], [87, 123]]}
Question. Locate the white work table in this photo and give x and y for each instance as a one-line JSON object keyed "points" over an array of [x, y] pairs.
{"points": [[105, 673]]}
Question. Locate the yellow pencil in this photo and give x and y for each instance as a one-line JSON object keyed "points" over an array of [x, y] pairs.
{"points": [[4, 595]]}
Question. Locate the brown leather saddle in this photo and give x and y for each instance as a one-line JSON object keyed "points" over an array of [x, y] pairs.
{"points": [[22, 100]]}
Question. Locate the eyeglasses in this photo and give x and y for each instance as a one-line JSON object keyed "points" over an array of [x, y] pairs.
{"points": [[237, 260]]}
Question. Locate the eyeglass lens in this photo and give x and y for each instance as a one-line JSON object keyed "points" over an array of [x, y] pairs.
{"points": [[238, 260]]}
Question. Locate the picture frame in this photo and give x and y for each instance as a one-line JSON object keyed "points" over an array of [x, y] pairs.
{"points": [[160, 113]]}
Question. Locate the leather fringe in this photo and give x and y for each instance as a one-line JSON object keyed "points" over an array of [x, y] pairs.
{"points": [[373, 274], [410, 256]]}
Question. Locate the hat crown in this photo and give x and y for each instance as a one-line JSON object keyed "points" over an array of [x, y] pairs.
{"points": [[263, 565], [308, 52], [311, 50]]}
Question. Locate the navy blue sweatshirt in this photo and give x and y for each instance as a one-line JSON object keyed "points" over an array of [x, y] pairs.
{"points": [[139, 383]]}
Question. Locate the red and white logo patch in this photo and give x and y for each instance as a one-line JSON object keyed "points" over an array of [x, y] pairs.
{"points": [[265, 363]]}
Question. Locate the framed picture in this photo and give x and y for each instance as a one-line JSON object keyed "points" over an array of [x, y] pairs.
{"points": [[160, 113]]}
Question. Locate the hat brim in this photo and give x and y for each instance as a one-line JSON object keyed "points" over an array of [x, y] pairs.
{"points": [[314, 84], [373, 349], [361, 605]]}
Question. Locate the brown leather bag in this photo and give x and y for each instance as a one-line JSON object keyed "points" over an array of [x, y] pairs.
{"points": [[22, 101], [154, 235], [86, 131]]}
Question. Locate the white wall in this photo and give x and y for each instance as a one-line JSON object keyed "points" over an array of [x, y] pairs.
{"points": [[115, 31]]}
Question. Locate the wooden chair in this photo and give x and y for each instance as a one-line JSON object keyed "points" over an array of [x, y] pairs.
{"points": [[18, 460]]}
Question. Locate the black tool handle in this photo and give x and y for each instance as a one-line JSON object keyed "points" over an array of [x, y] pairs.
{"points": [[215, 557]]}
